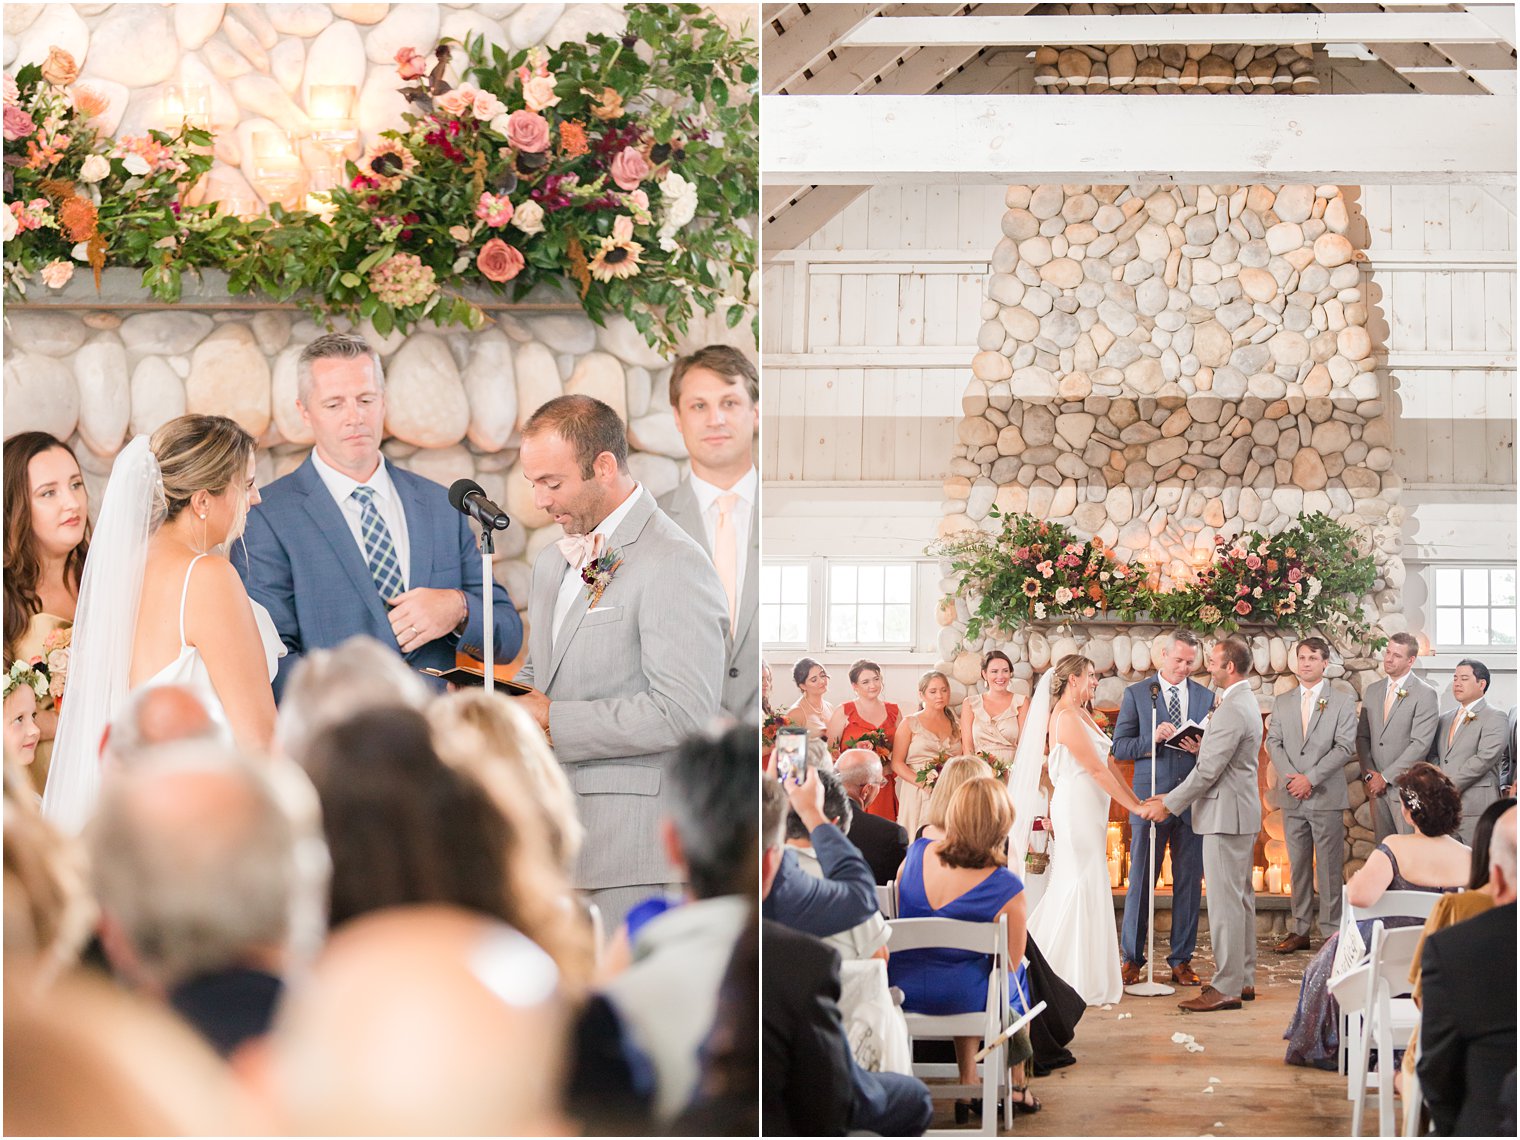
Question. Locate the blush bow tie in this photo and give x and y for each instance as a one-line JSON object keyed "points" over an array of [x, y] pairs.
{"points": [[580, 549]]}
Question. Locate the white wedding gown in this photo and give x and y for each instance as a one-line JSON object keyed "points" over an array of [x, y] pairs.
{"points": [[1073, 924]]}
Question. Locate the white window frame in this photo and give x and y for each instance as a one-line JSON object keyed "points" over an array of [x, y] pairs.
{"points": [[812, 601], [1459, 649], [914, 583], [924, 628]]}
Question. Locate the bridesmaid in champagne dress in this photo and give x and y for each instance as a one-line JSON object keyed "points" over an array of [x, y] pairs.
{"points": [[925, 739], [811, 711], [47, 538], [991, 722], [868, 713]]}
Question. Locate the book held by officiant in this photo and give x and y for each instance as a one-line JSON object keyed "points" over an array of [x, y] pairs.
{"points": [[462, 676], [1190, 730]]}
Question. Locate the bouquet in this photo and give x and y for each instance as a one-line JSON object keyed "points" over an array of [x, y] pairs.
{"points": [[769, 727], [876, 740], [56, 651], [999, 767], [927, 776]]}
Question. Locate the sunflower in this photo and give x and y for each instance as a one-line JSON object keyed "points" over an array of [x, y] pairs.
{"points": [[616, 258], [386, 164]]}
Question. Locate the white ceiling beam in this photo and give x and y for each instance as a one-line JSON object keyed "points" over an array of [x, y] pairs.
{"points": [[1500, 18], [786, 55], [842, 140], [1189, 28], [806, 216], [855, 70]]}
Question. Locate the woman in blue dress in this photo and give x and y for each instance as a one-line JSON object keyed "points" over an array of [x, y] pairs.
{"points": [[963, 876]]}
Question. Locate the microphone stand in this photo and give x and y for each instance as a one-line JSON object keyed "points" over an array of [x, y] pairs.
{"points": [[487, 594], [1150, 987]]}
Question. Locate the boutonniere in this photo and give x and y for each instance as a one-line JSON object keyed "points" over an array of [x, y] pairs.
{"points": [[1469, 716], [1320, 704], [597, 574], [1401, 694]]}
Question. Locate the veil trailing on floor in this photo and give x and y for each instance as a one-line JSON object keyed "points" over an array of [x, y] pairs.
{"points": [[105, 625]]}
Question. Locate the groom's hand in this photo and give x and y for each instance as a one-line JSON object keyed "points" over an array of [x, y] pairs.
{"points": [[425, 614], [537, 706]]}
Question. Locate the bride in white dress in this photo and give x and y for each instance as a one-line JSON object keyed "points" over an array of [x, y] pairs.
{"points": [[1074, 922], [159, 603]]}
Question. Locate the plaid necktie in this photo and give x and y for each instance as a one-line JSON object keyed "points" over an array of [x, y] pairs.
{"points": [[1174, 710], [379, 550]]}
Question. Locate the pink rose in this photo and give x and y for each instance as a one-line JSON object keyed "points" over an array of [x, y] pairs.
{"points": [[629, 168], [538, 92], [622, 228], [488, 106], [1242, 608], [410, 64], [639, 199], [455, 102], [1253, 562], [56, 274], [18, 124], [528, 132], [499, 261]]}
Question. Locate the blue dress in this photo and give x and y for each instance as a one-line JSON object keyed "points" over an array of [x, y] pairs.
{"points": [[946, 981]]}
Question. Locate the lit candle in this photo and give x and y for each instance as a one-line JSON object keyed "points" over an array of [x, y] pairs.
{"points": [[1113, 871], [1166, 867], [1258, 878], [1274, 879]]}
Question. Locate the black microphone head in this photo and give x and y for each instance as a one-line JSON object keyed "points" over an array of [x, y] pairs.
{"points": [[461, 489], [1155, 686]]}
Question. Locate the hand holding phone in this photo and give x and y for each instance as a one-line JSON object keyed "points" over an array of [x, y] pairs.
{"points": [[791, 754]]}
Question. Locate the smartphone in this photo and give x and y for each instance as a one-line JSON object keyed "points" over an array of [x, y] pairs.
{"points": [[791, 754]]}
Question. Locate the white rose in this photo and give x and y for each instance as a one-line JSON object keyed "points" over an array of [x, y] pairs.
{"points": [[7, 223], [81, 252], [529, 217], [137, 164], [95, 168], [499, 124]]}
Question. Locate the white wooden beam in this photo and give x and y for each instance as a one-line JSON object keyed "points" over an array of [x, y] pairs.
{"points": [[1188, 28], [848, 140], [785, 56], [806, 216]]}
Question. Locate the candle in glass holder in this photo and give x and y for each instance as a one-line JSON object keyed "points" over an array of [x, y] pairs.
{"points": [[277, 168], [1166, 867], [1113, 871], [1274, 879], [1258, 878]]}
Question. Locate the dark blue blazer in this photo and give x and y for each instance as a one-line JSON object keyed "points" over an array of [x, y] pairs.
{"points": [[844, 897], [1132, 740], [300, 561]]}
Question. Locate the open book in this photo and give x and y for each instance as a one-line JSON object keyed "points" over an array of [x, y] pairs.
{"points": [[466, 677], [1190, 730]]}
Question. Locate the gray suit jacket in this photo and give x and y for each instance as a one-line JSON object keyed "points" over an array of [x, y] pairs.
{"points": [[1473, 758], [741, 678], [1390, 748], [1221, 789], [1331, 742], [628, 682]]}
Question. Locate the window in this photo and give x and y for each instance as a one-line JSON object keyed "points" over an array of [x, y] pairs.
{"points": [[784, 603], [870, 604], [1474, 606]]}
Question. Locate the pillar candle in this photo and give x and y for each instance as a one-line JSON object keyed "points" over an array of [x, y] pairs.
{"points": [[1113, 871], [1258, 878], [1274, 879]]}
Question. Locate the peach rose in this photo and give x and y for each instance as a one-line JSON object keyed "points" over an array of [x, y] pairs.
{"points": [[56, 274], [629, 168], [499, 261], [410, 63], [60, 69], [528, 132], [538, 92], [488, 106], [455, 102]]}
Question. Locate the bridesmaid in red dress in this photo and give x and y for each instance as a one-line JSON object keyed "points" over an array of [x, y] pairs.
{"points": [[868, 713]]}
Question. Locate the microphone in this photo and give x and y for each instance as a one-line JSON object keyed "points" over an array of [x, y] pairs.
{"points": [[469, 498], [1155, 687]]}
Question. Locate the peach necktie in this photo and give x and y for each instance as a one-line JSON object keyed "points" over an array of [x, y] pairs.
{"points": [[1308, 708], [1456, 723], [726, 552], [1388, 699]]}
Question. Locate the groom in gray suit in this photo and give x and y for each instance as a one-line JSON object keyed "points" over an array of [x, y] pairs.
{"points": [[714, 394], [1310, 738], [1227, 812], [1397, 727], [626, 643], [1470, 743]]}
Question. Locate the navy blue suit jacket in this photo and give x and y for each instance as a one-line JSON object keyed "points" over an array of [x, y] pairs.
{"points": [[1132, 739], [303, 565], [844, 897]]}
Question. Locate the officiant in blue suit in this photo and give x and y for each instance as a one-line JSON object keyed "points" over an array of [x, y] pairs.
{"points": [[1176, 699], [349, 544]]}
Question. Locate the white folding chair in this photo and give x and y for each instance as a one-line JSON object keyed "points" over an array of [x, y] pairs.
{"points": [[886, 899], [1370, 990], [987, 1023], [1404, 904]]}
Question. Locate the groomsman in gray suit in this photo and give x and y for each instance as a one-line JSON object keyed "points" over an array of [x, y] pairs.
{"points": [[626, 645], [1397, 727], [1311, 736], [714, 394], [1470, 743], [1227, 812]]}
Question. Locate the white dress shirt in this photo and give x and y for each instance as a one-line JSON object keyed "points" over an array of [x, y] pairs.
{"points": [[1311, 691], [387, 502], [1167, 689], [707, 500], [571, 582]]}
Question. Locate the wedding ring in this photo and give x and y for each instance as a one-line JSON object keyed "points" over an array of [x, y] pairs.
{"points": [[411, 629]]}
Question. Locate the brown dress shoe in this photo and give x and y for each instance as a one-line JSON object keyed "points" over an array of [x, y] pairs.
{"points": [[1131, 972], [1208, 1000], [1292, 943], [1247, 993], [1183, 974]]}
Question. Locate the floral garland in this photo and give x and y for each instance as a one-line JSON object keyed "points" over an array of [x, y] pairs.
{"points": [[623, 169], [24, 674]]}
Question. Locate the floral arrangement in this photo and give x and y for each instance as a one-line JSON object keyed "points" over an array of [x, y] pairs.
{"points": [[57, 649], [875, 739], [999, 767], [22, 674], [927, 776], [75, 195], [597, 574], [770, 725]]}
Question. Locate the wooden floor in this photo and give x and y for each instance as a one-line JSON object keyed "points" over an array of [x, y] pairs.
{"points": [[1130, 1079]]}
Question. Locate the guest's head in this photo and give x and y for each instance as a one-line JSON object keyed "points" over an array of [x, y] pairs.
{"points": [[423, 1020], [1311, 656], [861, 774], [1229, 662], [957, 771], [46, 522], [715, 394], [865, 679], [21, 731], [1482, 844], [977, 821], [997, 671], [836, 807], [332, 685], [340, 391], [490, 736], [1180, 657], [773, 809], [810, 677], [161, 714], [709, 831], [207, 464], [203, 860], [575, 454], [1430, 799], [1399, 654], [934, 691], [1075, 677], [767, 683], [1469, 681], [1501, 858]]}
